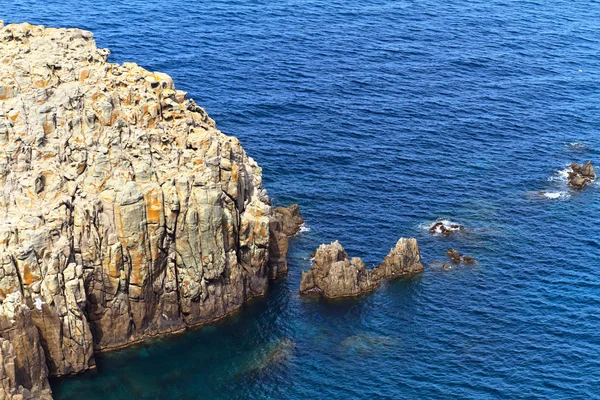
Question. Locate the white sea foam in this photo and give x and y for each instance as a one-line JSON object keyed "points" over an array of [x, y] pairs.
{"points": [[562, 175], [303, 228], [563, 195], [451, 225]]}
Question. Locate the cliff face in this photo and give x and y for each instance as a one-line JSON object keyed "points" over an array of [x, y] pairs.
{"points": [[124, 212]]}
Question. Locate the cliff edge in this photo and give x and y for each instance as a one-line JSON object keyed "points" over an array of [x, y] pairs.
{"points": [[124, 212]]}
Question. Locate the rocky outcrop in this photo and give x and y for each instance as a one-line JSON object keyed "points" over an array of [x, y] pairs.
{"points": [[124, 212], [581, 175], [457, 258], [334, 275], [403, 260], [23, 372], [284, 223], [445, 229]]}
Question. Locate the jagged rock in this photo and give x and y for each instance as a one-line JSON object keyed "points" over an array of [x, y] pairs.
{"points": [[404, 259], [23, 372], [581, 175], [334, 275], [446, 230], [284, 223], [125, 213], [291, 219], [468, 260], [457, 258], [454, 255]]}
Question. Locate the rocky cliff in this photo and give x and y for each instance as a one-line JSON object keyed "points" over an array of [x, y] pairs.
{"points": [[124, 212]]}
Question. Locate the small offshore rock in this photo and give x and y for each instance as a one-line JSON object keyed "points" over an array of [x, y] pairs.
{"points": [[404, 259], [468, 260], [454, 256], [581, 175], [457, 258], [441, 228], [334, 275]]}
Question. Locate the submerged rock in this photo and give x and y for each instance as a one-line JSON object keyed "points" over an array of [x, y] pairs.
{"points": [[457, 258], [334, 275], [366, 343], [273, 354], [581, 175], [124, 212]]}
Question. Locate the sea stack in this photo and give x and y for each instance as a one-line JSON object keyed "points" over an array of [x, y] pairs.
{"points": [[125, 213], [334, 275]]}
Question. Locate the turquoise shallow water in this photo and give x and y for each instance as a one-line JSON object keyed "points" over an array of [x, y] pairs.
{"points": [[380, 118]]}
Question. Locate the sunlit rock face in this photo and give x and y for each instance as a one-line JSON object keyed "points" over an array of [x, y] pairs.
{"points": [[124, 212]]}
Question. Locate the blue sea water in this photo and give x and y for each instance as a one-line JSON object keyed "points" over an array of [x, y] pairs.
{"points": [[379, 118]]}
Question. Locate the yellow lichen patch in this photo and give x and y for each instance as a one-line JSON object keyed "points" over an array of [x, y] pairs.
{"points": [[84, 74], [48, 126], [112, 264], [14, 114], [28, 277], [41, 83], [154, 206], [138, 265]]}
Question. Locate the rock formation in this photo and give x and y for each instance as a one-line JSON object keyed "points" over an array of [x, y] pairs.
{"points": [[334, 275], [403, 260], [124, 212], [457, 258], [23, 371], [284, 223], [446, 230], [454, 255], [581, 175]]}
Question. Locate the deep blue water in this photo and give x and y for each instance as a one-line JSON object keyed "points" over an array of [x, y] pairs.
{"points": [[378, 118]]}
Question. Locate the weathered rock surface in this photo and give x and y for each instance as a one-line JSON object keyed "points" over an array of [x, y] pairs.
{"points": [[124, 212], [581, 175], [334, 275], [23, 371], [404, 259], [284, 223]]}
